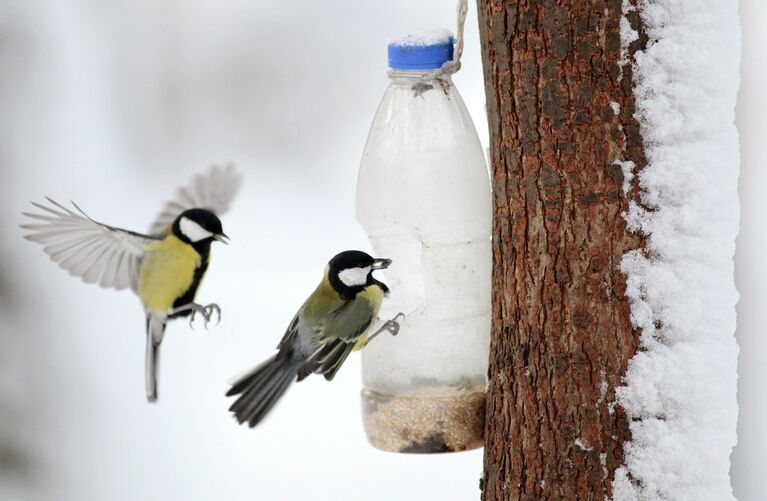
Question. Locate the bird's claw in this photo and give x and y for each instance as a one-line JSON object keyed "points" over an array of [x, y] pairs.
{"points": [[391, 326], [206, 312], [214, 307]]}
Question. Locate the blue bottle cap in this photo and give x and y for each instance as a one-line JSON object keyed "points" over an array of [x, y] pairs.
{"points": [[421, 51]]}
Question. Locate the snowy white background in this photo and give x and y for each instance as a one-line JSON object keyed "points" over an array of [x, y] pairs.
{"points": [[97, 98]]}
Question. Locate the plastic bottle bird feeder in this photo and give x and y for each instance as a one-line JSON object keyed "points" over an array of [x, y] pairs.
{"points": [[423, 196]]}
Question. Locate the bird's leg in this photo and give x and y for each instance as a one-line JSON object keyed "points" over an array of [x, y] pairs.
{"points": [[206, 312], [391, 326]]}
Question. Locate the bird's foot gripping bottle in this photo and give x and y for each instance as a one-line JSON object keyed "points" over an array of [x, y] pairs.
{"points": [[423, 197]]}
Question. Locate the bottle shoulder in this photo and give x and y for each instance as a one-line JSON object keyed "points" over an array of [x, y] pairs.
{"points": [[436, 118]]}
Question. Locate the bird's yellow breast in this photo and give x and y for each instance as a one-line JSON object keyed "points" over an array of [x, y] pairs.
{"points": [[167, 271], [374, 295]]}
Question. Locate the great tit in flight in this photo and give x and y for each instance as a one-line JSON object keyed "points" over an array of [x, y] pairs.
{"points": [[163, 267], [333, 322]]}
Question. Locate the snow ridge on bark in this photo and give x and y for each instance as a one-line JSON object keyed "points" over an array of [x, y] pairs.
{"points": [[680, 389]]}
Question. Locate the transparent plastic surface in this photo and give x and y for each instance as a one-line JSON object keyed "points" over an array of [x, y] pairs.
{"points": [[423, 197]]}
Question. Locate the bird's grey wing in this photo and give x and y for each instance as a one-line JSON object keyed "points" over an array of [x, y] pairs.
{"points": [[213, 190], [327, 360], [290, 333], [348, 322], [96, 252], [337, 337]]}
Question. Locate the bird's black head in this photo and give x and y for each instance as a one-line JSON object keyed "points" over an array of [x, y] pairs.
{"points": [[198, 227], [351, 271]]}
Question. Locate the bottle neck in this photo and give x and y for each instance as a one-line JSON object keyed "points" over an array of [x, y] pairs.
{"points": [[409, 78]]}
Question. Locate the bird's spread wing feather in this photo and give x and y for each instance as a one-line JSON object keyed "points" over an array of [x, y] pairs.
{"points": [[213, 190], [96, 252]]}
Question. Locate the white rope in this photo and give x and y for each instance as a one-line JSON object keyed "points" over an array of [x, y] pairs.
{"points": [[462, 10], [449, 67]]}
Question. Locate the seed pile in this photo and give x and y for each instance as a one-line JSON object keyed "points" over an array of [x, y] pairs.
{"points": [[445, 422]]}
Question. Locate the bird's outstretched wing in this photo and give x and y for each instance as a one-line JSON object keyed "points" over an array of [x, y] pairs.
{"points": [[96, 252], [214, 190]]}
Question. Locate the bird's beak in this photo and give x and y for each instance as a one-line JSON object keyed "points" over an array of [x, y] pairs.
{"points": [[221, 237], [381, 264]]}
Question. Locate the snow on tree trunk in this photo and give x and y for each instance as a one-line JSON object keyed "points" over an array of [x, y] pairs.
{"points": [[614, 163], [680, 388]]}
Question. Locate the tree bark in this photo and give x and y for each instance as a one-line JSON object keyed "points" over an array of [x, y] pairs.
{"points": [[560, 109]]}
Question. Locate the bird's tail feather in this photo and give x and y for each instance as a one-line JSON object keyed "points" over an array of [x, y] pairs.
{"points": [[155, 330], [261, 388]]}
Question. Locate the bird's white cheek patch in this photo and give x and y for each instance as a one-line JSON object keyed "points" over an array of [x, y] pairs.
{"points": [[354, 277], [193, 231]]}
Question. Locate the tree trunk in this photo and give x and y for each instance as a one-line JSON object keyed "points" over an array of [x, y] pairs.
{"points": [[560, 109]]}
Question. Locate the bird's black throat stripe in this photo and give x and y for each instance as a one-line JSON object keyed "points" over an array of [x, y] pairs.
{"points": [[203, 249]]}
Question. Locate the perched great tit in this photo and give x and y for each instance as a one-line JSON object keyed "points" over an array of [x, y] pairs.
{"points": [[164, 267], [332, 322]]}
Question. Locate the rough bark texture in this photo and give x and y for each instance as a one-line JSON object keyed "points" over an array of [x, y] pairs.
{"points": [[562, 337]]}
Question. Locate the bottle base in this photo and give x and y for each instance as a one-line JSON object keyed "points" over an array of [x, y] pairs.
{"points": [[447, 422]]}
